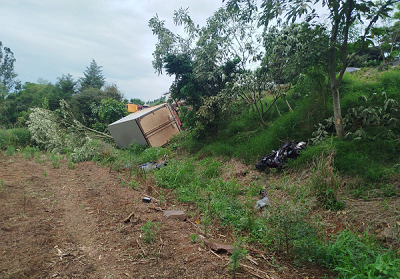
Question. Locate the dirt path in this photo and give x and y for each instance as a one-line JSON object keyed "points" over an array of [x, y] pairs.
{"points": [[68, 223]]}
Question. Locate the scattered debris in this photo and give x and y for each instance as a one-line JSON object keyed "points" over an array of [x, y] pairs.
{"points": [[175, 214], [156, 208], [264, 200], [144, 253], [219, 246], [276, 159], [128, 219], [151, 165], [146, 199]]}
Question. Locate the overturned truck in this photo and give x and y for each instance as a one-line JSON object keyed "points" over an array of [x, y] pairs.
{"points": [[153, 126]]}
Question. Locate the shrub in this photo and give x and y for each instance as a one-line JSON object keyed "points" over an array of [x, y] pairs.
{"points": [[44, 130], [19, 138], [150, 230], [355, 255], [324, 181]]}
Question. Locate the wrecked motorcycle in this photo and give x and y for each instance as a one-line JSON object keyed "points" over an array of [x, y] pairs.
{"points": [[276, 159]]}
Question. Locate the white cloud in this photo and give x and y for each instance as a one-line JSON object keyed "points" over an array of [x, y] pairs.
{"points": [[50, 38]]}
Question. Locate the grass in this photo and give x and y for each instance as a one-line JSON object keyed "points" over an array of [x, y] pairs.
{"points": [[19, 138], [150, 230], [290, 225], [355, 255]]}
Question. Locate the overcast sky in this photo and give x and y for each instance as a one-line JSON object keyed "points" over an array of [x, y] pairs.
{"points": [[50, 38]]}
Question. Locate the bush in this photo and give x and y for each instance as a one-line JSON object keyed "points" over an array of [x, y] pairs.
{"points": [[357, 256], [44, 130], [19, 138], [324, 182]]}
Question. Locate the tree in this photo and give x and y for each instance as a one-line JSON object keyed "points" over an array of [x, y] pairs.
{"points": [[342, 15], [93, 77], [110, 110], [80, 104], [387, 36], [205, 59], [7, 74], [293, 48], [136, 101], [67, 85], [112, 91]]}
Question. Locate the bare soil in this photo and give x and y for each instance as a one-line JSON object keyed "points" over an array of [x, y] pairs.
{"points": [[69, 223]]}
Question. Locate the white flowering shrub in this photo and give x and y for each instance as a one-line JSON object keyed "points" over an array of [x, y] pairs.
{"points": [[44, 129], [67, 135]]}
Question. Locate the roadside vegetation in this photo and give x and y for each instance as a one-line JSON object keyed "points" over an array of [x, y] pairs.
{"points": [[232, 114], [292, 224]]}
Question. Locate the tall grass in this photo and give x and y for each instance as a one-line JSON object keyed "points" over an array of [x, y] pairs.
{"points": [[355, 255], [19, 138]]}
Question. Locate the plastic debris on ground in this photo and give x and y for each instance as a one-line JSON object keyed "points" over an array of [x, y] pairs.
{"points": [[146, 200], [276, 159], [151, 166], [264, 201]]}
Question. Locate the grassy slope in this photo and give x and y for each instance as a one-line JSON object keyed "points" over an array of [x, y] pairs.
{"points": [[196, 177]]}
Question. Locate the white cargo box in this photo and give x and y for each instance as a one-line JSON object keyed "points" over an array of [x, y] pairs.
{"points": [[153, 126]]}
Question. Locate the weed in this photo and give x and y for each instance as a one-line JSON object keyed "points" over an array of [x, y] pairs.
{"points": [[133, 184], [289, 227], [150, 230], [1, 185], [211, 167], [238, 254], [10, 150], [324, 181], [194, 238], [385, 205], [71, 165], [29, 152], [54, 161], [206, 221], [45, 173], [354, 255], [40, 158]]}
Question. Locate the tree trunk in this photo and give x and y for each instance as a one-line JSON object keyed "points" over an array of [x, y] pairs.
{"points": [[337, 113]]}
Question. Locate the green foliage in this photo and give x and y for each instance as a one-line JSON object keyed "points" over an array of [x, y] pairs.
{"points": [[19, 137], [136, 101], [92, 148], [194, 238], [10, 150], [324, 182], [55, 161], [357, 256], [71, 165], [239, 253], [360, 189], [7, 74], [175, 174], [287, 227], [93, 77], [150, 230], [30, 152], [291, 49], [374, 161], [211, 168], [109, 111], [204, 60], [384, 115], [45, 131]]}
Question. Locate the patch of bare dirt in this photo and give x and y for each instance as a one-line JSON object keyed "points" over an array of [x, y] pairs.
{"points": [[69, 223]]}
